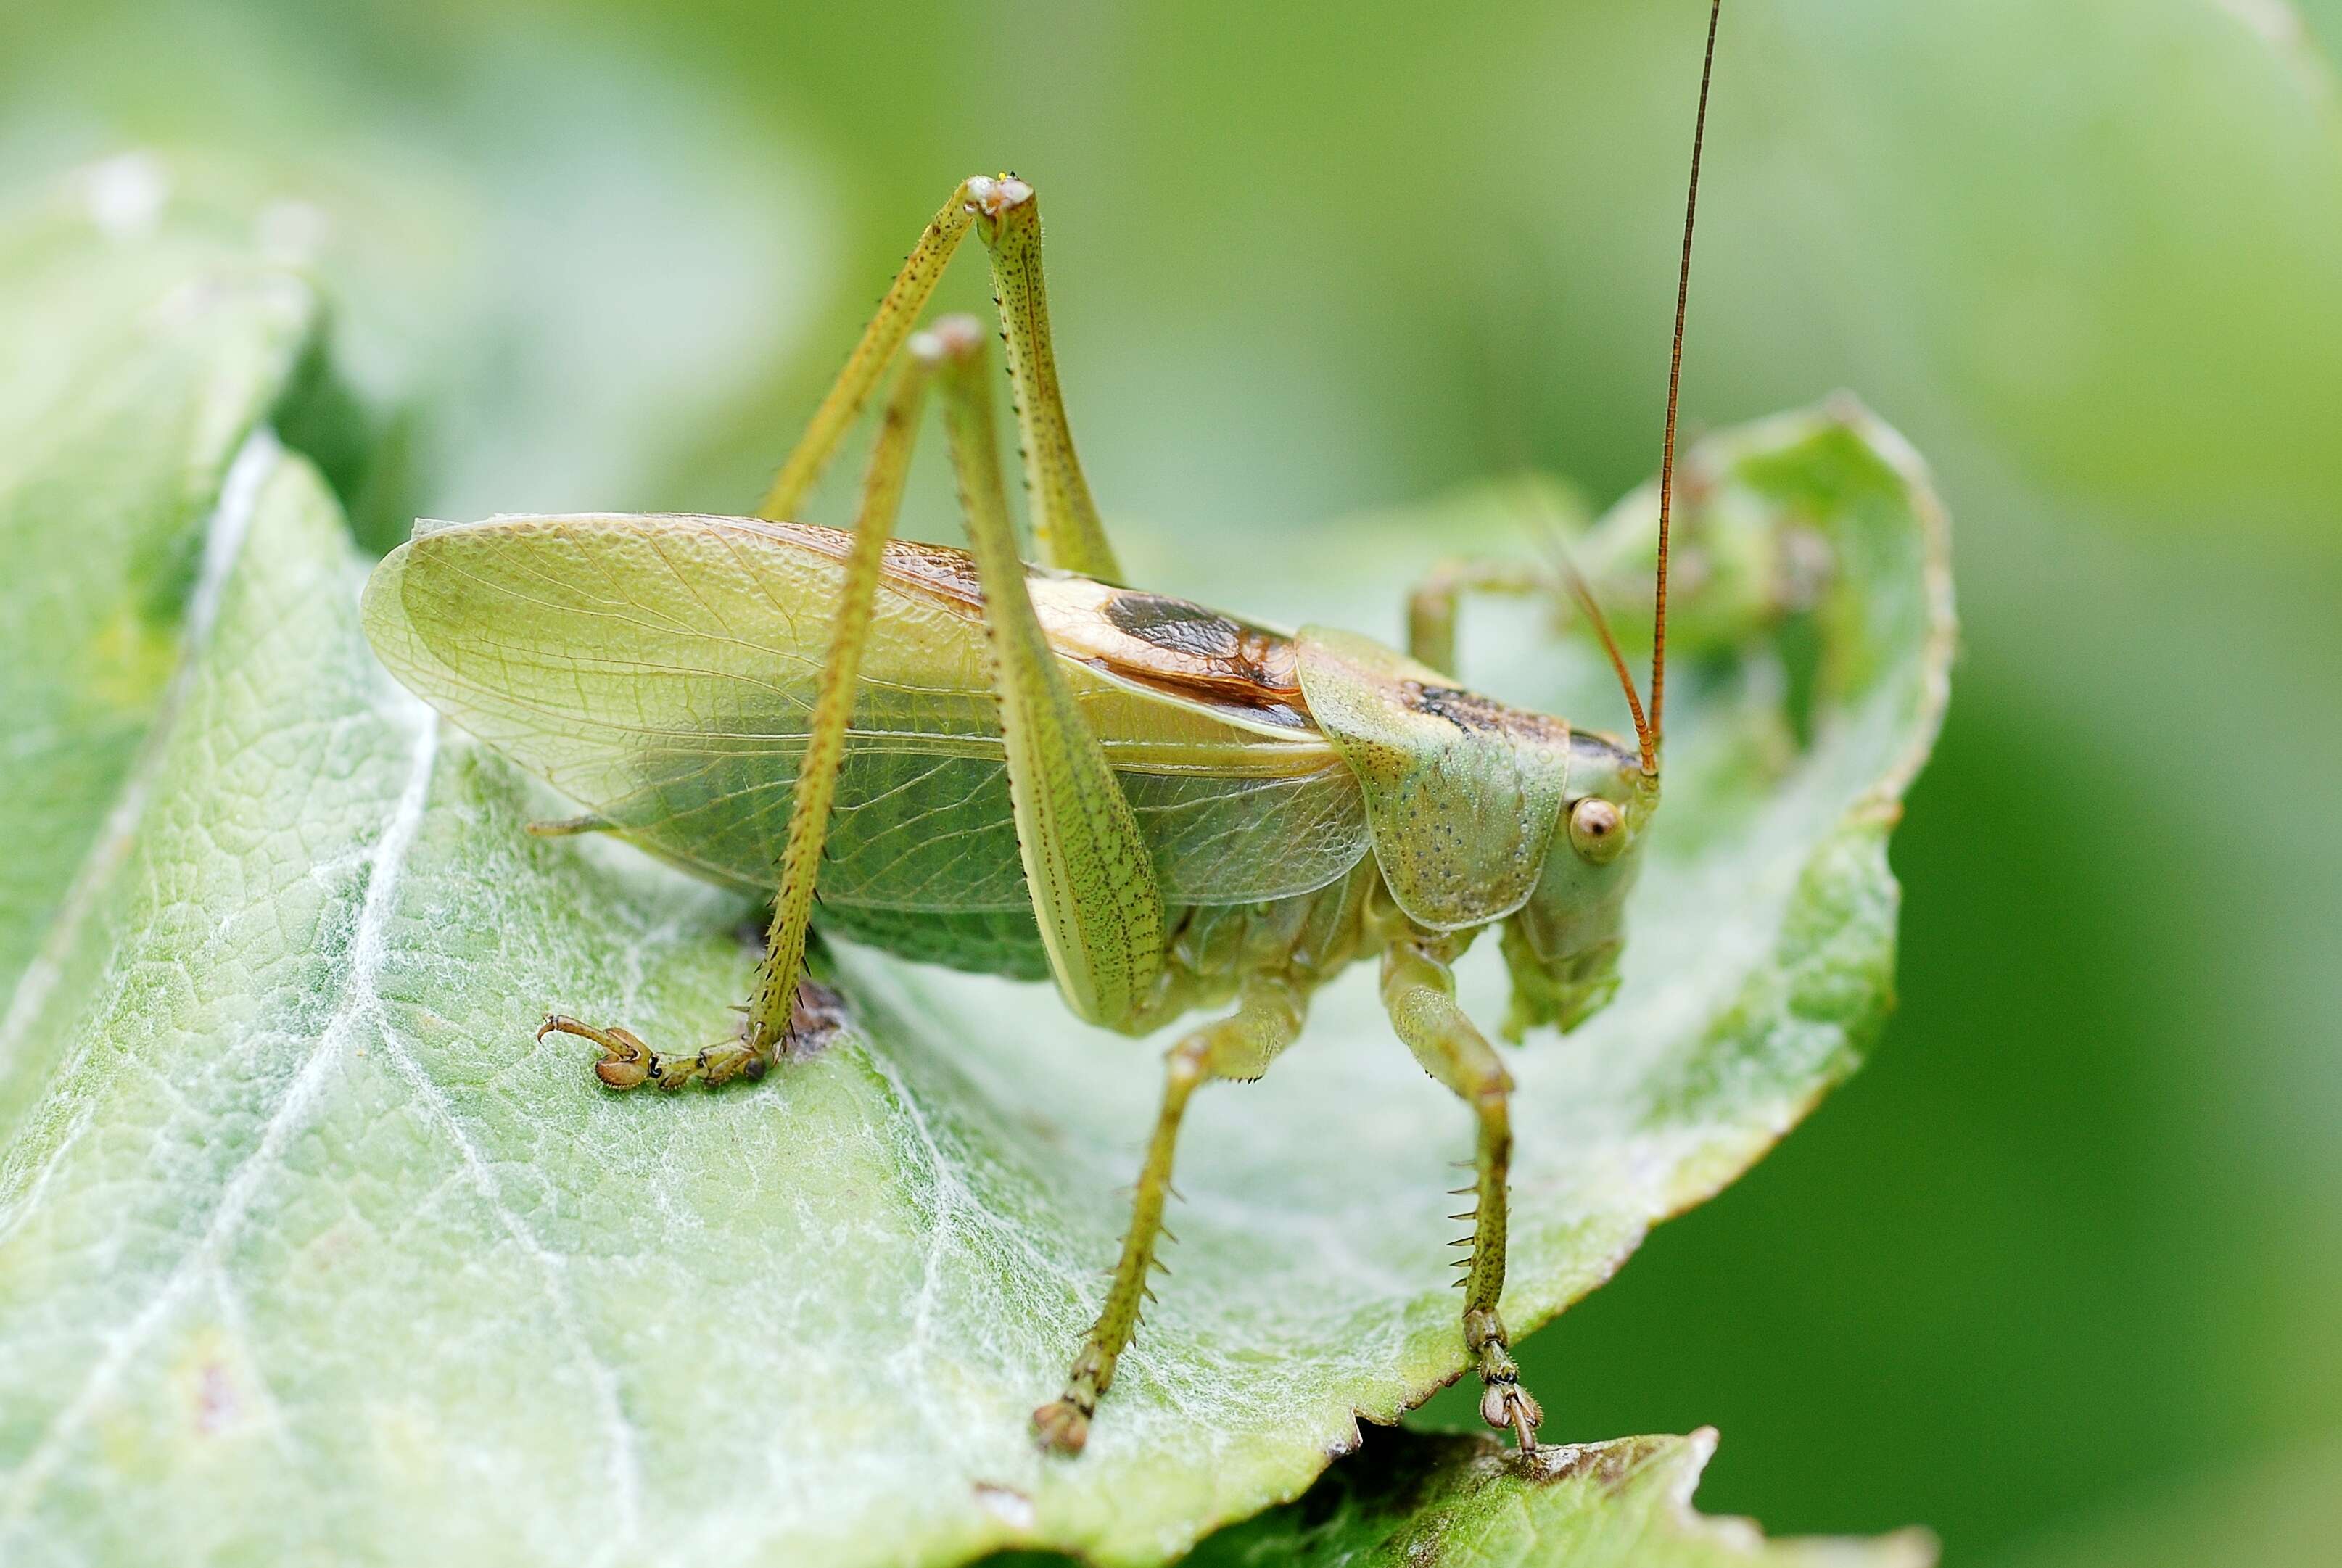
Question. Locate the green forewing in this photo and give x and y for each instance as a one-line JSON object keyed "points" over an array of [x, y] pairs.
{"points": [[661, 669]]}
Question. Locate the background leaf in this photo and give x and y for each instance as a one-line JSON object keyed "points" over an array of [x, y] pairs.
{"points": [[303, 1229], [1417, 1501], [141, 357]]}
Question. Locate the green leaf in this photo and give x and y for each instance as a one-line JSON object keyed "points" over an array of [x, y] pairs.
{"points": [[1414, 1500], [140, 356], [308, 1250]]}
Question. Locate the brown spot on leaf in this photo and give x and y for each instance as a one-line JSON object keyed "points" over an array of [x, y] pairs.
{"points": [[816, 1019]]}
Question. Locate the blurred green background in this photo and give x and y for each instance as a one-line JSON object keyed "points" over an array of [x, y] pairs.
{"points": [[2060, 1274]]}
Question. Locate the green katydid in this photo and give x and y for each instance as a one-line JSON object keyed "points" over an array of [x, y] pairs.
{"points": [[1038, 772]]}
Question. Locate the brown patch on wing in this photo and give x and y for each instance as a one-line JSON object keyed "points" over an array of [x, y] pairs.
{"points": [[1175, 646], [1206, 644]]}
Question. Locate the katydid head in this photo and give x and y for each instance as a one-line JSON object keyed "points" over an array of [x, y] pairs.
{"points": [[1479, 812], [1562, 946]]}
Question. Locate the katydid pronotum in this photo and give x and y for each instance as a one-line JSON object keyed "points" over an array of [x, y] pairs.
{"points": [[975, 758]]}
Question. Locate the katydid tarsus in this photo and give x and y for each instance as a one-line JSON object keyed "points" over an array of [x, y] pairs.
{"points": [[976, 760]]}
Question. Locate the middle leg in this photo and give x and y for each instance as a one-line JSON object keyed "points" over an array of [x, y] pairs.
{"points": [[1419, 993]]}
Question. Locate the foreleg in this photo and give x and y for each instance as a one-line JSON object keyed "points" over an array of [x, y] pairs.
{"points": [[1267, 1020]]}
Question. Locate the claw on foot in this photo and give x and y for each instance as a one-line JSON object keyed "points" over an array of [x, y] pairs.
{"points": [[1061, 1427], [626, 1062], [816, 1017], [1504, 1402], [1509, 1404]]}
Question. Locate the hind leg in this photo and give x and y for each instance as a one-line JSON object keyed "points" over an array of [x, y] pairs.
{"points": [[1006, 212], [626, 1062]]}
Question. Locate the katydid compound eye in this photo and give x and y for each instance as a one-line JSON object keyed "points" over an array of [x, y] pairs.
{"points": [[1596, 831]]}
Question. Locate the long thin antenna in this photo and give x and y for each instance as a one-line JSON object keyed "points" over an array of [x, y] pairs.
{"points": [[1675, 388], [1582, 593]]}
